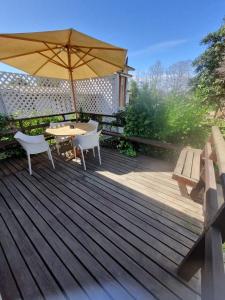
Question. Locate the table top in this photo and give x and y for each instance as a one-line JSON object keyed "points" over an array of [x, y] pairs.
{"points": [[79, 129]]}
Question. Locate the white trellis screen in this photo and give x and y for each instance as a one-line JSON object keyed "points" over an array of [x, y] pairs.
{"points": [[23, 96]]}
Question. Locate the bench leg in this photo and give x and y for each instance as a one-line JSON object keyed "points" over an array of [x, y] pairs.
{"points": [[183, 190], [196, 191]]}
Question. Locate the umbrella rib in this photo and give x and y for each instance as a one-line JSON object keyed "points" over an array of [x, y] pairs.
{"points": [[88, 65], [45, 63], [102, 48], [27, 53], [104, 60], [70, 33], [81, 59], [53, 61], [84, 63], [8, 36], [56, 54]]}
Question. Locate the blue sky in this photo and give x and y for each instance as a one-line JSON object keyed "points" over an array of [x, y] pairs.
{"points": [[151, 30]]}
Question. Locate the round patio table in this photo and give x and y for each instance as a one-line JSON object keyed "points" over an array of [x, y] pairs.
{"points": [[79, 129]]}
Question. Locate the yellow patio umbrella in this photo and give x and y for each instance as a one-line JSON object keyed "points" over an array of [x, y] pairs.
{"points": [[64, 54]]}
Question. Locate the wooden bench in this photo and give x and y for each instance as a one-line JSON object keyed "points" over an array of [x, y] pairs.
{"points": [[188, 169], [207, 253]]}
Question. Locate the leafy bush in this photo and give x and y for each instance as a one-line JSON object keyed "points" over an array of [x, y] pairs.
{"points": [[176, 118], [127, 148], [145, 117], [184, 121]]}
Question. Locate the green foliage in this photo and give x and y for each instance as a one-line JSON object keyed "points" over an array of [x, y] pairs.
{"points": [[134, 91], [145, 115], [209, 85], [184, 121], [171, 118], [127, 149]]}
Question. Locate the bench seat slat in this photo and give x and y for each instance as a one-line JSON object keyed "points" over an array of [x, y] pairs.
{"points": [[195, 173], [188, 163], [187, 170], [181, 161]]}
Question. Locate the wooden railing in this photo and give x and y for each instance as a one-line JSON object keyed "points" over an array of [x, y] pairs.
{"points": [[207, 254], [19, 124]]}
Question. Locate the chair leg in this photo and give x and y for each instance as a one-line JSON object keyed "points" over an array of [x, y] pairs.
{"points": [[29, 163], [99, 156], [57, 148], [93, 152], [75, 154], [50, 158], [83, 161]]}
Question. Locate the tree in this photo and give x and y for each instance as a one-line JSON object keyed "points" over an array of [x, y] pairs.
{"points": [[134, 91], [208, 84], [178, 77]]}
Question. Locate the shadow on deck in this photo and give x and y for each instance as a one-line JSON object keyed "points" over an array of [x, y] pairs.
{"points": [[117, 231]]}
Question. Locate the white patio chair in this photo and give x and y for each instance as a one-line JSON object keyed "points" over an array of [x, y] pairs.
{"points": [[86, 142], [95, 125], [60, 139], [33, 145]]}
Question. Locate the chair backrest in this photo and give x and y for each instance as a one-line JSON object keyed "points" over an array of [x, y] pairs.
{"points": [[95, 125], [88, 141], [32, 144], [24, 138], [57, 124]]}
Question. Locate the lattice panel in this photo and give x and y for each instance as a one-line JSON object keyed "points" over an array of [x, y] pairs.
{"points": [[99, 95], [25, 96]]}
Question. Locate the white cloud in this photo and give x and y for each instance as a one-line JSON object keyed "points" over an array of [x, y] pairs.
{"points": [[157, 47]]}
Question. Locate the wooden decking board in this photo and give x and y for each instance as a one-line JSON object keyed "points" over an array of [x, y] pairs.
{"points": [[181, 228], [27, 284], [116, 231], [113, 219], [83, 238], [161, 196], [152, 193], [70, 175], [114, 206], [8, 285], [97, 223], [78, 213], [117, 241], [155, 187], [76, 268], [36, 266], [136, 211], [139, 218], [157, 180], [62, 274], [133, 195], [47, 211]]}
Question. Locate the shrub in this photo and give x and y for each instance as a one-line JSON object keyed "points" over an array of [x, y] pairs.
{"points": [[184, 121], [176, 118], [145, 117], [127, 148]]}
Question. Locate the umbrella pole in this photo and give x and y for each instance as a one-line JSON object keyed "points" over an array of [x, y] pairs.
{"points": [[73, 92], [71, 78]]}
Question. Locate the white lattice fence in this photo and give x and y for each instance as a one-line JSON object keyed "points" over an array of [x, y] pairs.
{"points": [[26, 96], [99, 95]]}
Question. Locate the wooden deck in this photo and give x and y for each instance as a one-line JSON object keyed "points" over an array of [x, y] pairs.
{"points": [[117, 231]]}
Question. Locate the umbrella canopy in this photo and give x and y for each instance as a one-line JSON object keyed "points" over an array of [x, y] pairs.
{"points": [[64, 54]]}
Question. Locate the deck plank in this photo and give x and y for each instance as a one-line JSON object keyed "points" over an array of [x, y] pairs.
{"points": [[116, 231]]}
